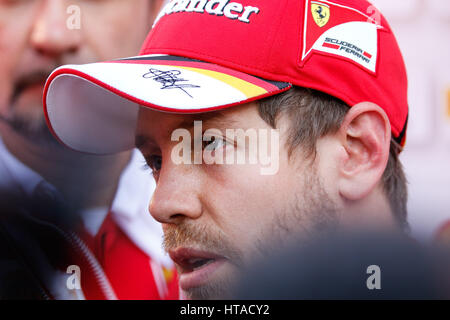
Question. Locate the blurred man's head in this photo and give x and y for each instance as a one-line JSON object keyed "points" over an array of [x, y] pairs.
{"points": [[245, 158], [36, 36], [349, 265]]}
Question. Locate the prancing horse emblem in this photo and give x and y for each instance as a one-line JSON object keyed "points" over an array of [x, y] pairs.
{"points": [[320, 13]]}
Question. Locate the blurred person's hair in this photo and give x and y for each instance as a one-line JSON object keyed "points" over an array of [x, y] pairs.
{"points": [[314, 114]]}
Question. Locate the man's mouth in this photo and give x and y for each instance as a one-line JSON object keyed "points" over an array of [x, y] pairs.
{"points": [[196, 267]]}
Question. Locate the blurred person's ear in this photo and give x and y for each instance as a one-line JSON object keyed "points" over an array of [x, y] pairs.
{"points": [[365, 135]]}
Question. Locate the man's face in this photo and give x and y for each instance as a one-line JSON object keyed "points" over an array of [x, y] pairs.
{"points": [[37, 36], [219, 217]]}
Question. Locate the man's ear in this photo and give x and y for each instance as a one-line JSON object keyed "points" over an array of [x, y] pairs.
{"points": [[366, 136]]}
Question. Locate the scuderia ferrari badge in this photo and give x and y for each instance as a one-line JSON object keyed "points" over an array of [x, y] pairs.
{"points": [[351, 35]]}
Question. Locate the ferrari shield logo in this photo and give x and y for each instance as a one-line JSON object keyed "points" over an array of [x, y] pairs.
{"points": [[320, 13]]}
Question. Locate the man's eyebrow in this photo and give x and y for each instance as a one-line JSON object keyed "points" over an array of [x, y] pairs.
{"points": [[217, 118], [212, 119]]}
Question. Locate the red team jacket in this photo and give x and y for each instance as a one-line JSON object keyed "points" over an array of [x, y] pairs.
{"points": [[131, 273]]}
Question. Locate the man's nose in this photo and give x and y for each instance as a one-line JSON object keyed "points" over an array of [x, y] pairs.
{"points": [[177, 194], [51, 33]]}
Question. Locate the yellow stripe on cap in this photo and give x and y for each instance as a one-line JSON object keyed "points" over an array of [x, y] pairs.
{"points": [[250, 90]]}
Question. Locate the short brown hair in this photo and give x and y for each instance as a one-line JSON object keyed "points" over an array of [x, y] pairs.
{"points": [[314, 114]]}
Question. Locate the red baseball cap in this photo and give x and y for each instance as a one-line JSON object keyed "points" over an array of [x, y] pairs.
{"points": [[204, 55]]}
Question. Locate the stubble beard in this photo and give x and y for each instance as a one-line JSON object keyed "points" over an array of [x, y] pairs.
{"points": [[210, 239], [27, 119], [33, 130], [311, 214]]}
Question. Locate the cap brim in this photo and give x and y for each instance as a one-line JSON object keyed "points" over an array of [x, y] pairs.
{"points": [[93, 107]]}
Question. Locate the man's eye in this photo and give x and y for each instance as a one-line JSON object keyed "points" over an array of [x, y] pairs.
{"points": [[154, 162], [214, 144]]}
